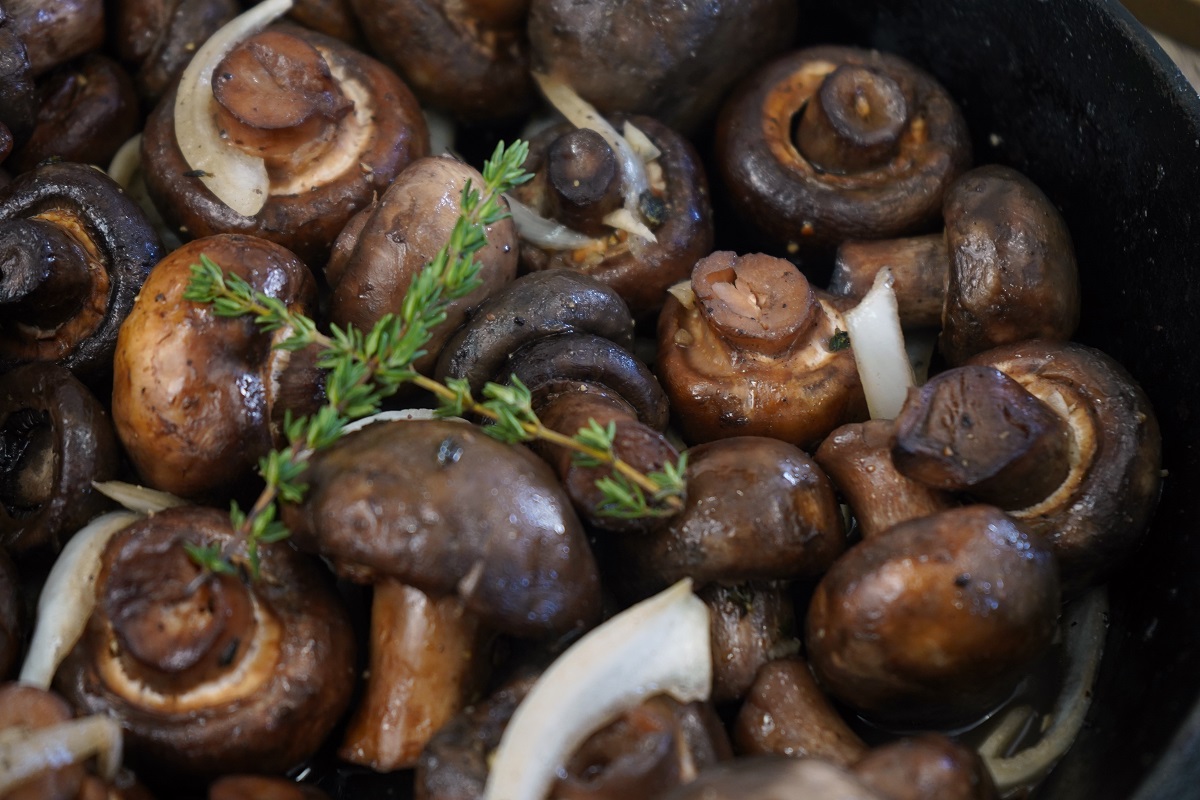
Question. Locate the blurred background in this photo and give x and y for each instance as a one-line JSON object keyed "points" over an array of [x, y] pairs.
{"points": [[1176, 25]]}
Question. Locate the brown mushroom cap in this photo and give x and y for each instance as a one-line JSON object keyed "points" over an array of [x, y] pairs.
{"points": [[258, 787], [775, 778], [55, 440], [173, 352], [639, 270], [18, 97], [23, 706], [443, 507], [85, 208], [1100, 512], [750, 624], [303, 212], [926, 766], [780, 192], [207, 673], [1013, 275], [937, 621], [469, 59], [54, 33], [157, 38], [375, 260], [756, 354], [756, 508], [670, 60]]}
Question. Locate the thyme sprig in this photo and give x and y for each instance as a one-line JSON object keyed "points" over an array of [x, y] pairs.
{"points": [[366, 368]]}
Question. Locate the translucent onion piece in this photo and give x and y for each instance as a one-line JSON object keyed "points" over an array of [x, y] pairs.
{"points": [[647, 150], [237, 179], [141, 499], [878, 342], [622, 219], [127, 161], [545, 233], [26, 753], [441, 132], [126, 170], [68, 597], [581, 114], [684, 293], [1084, 626], [660, 645]]}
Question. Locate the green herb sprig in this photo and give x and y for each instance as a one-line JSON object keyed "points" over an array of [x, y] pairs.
{"points": [[366, 368]]}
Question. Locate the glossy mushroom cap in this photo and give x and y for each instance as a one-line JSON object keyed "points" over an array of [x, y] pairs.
{"points": [[750, 623], [379, 253], [756, 351], [930, 765], [444, 508], [157, 38], [879, 141], [572, 186], [56, 439], [257, 787], [173, 352], [670, 60], [334, 128], [54, 33], [936, 621], [209, 673], [76, 250]]}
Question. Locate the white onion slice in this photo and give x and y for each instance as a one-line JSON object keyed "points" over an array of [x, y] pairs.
{"points": [[403, 415], [878, 342], [28, 752], [581, 114], [545, 233], [660, 645], [141, 499], [237, 179], [68, 597], [622, 219], [1084, 626], [127, 161], [684, 293], [646, 150], [441, 132]]}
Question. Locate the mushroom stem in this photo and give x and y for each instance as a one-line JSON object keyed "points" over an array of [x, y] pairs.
{"points": [[581, 170], [44, 274], [423, 654], [854, 122], [24, 753], [755, 302], [920, 268]]}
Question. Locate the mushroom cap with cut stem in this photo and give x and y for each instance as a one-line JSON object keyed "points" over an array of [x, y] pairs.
{"points": [[208, 673], [443, 507]]}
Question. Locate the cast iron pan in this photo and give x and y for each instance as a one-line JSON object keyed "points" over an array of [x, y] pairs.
{"points": [[1079, 97]]}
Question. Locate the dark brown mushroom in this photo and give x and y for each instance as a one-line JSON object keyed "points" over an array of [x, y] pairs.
{"points": [[974, 429], [858, 459], [647, 751], [577, 182], [1099, 512], [532, 307], [331, 17], [674, 61], [786, 713], [208, 673], [936, 622], [55, 33], [75, 251], [157, 38], [756, 509], [333, 127], [926, 766], [258, 787], [18, 96], [6, 143], [756, 351], [12, 639], [55, 440], [376, 257], [827, 144], [750, 624], [775, 778], [469, 59], [172, 353], [86, 110], [1003, 271]]}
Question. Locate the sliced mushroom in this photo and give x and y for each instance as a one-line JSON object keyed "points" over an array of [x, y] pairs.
{"points": [[76, 251], [935, 622], [827, 144], [330, 127], [172, 353], [56, 439], [206, 672], [756, 351], [1003, 271]]}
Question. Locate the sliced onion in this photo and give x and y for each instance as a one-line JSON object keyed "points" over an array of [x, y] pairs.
{"points": [[581, 114], [878, 342], [660, 645], [29, 752], [1084, 626], [545, 233], [127, 161], [403, 415], [646, 150], [69, 596], [441, 132], [237, 179], [684, 293], [623, 220], [141, 499]]}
